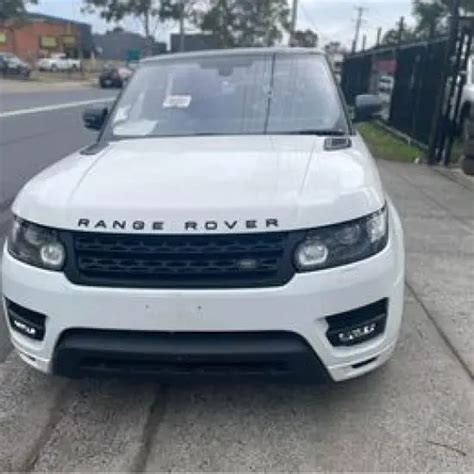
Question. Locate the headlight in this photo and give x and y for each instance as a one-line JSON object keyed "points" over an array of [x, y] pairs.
{"points": [[342, 244], [36, 245]]}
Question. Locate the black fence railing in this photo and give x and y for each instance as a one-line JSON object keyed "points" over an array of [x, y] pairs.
{"points": [[407, 78]]}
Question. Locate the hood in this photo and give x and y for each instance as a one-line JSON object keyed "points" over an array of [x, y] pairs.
{"points": [[218, 184]]}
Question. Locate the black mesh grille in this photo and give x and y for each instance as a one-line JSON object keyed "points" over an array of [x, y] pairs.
{"points": [[180, 261]]}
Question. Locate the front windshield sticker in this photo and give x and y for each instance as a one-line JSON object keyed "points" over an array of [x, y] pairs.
{"points": [[177, 102]]}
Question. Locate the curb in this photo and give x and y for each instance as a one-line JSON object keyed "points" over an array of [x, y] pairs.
{"points": [[456, 176]]}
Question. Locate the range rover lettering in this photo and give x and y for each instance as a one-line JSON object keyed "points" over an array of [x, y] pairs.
{"points": [[229, 221]]}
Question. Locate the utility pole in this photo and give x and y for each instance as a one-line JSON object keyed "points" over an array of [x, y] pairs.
{"points": [[294, 17], [364, 42], [360, 14], [401, 29], [181, 25], [379, 36]]}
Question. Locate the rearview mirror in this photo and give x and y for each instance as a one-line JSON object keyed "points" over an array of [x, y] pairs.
{"points": [[367, 107], [94, 118]]}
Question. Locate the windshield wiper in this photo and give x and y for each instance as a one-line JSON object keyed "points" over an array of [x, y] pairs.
{"points": [[316, 132]]}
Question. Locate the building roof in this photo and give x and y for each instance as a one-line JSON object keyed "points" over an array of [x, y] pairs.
{"points": [[236, 52], [54, 19]]}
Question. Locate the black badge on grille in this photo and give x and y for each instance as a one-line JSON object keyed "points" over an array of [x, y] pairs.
{"points": [[247, 264]]}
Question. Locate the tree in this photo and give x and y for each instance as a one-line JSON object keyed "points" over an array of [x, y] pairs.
{"points": [[13, 10], [244, 22], [430, 18], [306, 39], [432, 15], [148, 12], [392, 37]]}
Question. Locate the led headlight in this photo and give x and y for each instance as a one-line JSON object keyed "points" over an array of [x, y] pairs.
{"points": [[36, 245], [341, 244]]}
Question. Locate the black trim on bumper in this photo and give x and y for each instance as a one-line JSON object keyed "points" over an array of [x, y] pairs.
{"points": [[187, 356]]}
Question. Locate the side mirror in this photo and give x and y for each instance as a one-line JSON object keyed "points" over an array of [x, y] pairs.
{"points": [[367, 107], [94, 118]]}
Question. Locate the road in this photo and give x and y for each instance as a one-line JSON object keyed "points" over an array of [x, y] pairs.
{"points": [[414, 414]]}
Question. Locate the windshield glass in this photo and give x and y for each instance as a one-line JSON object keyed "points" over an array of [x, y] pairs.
{"points": [[233, 94]]}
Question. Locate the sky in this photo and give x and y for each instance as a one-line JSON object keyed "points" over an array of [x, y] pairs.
{"points": [[334, 20]]}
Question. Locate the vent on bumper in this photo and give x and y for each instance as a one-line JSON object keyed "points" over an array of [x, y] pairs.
{"points": [[180, 261], [183, 355], [29, 323], [357, 326]]}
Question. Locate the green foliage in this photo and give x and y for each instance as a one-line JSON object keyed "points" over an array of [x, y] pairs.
{"points": [[244, 22], [11, 10], [391, 37], [386, 146], [306, 38], [431, 18], [149, 12]]}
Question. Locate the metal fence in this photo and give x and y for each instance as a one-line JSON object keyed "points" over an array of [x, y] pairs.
{"points": [[407, 78]]}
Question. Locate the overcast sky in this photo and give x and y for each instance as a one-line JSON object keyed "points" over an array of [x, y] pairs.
{"points": [[332, 19]]}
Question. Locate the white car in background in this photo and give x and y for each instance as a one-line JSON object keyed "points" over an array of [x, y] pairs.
{"points": [[59, 62], [467, 100]]}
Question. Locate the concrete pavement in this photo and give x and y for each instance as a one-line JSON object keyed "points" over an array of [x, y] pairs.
{"points": [[438, 218]]}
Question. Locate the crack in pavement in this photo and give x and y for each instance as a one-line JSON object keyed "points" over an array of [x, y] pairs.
{"points": [[440, 331], [150, 429], [55, 415]]}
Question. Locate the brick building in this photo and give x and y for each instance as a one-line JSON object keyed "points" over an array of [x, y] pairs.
{"points": [[40, 35]]}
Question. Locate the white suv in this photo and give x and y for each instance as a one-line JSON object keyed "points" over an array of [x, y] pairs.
{"points": [[228, 222]]}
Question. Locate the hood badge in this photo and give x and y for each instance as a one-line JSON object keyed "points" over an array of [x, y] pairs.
{"points": [[187, 226], [247, 264]]}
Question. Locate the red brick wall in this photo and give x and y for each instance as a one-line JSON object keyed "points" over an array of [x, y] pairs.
{"points": [[24, 41]]}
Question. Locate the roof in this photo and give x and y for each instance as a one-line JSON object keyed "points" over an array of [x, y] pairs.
{"points": [[235, 52], [55, 19]]}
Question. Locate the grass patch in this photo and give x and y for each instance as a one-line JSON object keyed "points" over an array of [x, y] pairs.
{"points": [[386, 146]]}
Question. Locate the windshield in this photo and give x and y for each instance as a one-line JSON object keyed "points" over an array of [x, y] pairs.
{"points": [[228, 95]]}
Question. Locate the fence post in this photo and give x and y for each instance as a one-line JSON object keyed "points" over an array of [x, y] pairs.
{"points": [[437, 124]]}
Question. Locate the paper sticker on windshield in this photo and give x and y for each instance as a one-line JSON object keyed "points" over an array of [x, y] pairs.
{"points": [[177, 102]]}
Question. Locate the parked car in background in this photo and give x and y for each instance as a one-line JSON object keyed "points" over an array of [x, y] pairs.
{"points": [[115, 76], [59, 62], [11, 65], [467, 99]]}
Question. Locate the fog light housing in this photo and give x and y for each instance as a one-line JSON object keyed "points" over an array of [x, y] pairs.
{"points": [[358, 325], [26, 322]]}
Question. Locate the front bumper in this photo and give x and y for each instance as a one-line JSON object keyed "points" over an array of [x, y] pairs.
{"points": [[299, 308]]}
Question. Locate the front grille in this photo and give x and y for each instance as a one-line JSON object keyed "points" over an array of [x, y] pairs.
{"points": [[180, 261]]}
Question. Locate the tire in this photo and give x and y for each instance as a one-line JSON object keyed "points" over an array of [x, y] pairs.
{"points": [[467, 166], [54, 68], [464, 122], [74, 68]]}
